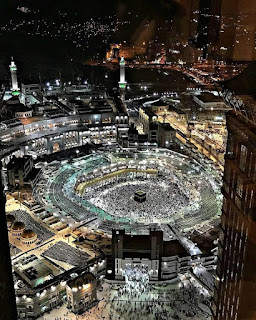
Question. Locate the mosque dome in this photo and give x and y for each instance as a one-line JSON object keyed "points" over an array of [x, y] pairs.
{"points": [[18, 225], [10, 218], [28, 234]]}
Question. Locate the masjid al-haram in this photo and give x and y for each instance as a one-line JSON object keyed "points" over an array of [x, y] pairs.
{"points": [[111, 212], [98, 190], [114, 213], [127, 160]]}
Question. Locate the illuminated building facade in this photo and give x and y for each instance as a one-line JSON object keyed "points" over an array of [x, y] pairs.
{"points": [[45, 287], [235, 290], [117, 51], [81, 292], [163, 259]]}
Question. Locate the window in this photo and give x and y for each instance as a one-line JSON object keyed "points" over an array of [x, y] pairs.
{"points": [[243, 156], [228, 173], [251, 162], [239, 190], [251, 198], [230, 145]]}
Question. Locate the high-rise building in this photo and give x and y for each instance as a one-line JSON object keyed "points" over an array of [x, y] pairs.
{"points": [[208, 24], [186, 20], [235, 291], [237, 37], [7, 294]]}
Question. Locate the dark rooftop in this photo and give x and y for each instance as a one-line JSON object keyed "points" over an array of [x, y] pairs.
{"points": [[18, 162], [174, 248], [153, 125], [158, 103], [205, 242], [138, 242], [81, 280], [32, 175], [209, 97], [142, 137], [167, 127], [17, 107], [132, 129], [149, 112]]}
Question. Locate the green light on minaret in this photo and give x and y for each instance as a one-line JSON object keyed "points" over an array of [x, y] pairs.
{"points": [[122, 85], [16, 93]]}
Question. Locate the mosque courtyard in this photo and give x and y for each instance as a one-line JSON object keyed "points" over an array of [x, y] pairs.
{"points": [[98, 191]]}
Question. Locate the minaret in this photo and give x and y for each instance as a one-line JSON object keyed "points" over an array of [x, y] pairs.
{"points": [[15, 89], [122, 82], [7, 294]]}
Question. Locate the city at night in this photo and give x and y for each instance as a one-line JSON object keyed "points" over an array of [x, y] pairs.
{"points": [[128, 160]]}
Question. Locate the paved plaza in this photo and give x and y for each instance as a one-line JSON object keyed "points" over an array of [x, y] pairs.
{"points": [[180, 301]]}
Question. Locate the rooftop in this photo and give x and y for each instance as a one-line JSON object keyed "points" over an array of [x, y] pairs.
{"points": [[32, 174], [148, 111], [18, 162], [137, 242], [32, 270], [158, 103], [208, 97], [174, 248], [81, 280], [167, 127]]}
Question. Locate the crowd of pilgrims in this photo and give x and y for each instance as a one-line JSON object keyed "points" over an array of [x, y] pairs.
{"points": [[164, 197], [152, 303], [178, 304], [137, 280]]}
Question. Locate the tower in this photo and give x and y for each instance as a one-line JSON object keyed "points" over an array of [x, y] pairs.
{"points": [[122, 82], [15, 89], [235, 286]]}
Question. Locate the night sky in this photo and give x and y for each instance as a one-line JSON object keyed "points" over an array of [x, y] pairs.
{"points": [[151, 8], [36, 54]]}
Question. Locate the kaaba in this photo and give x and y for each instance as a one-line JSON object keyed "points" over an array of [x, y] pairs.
{"points": [[140, 196]]}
